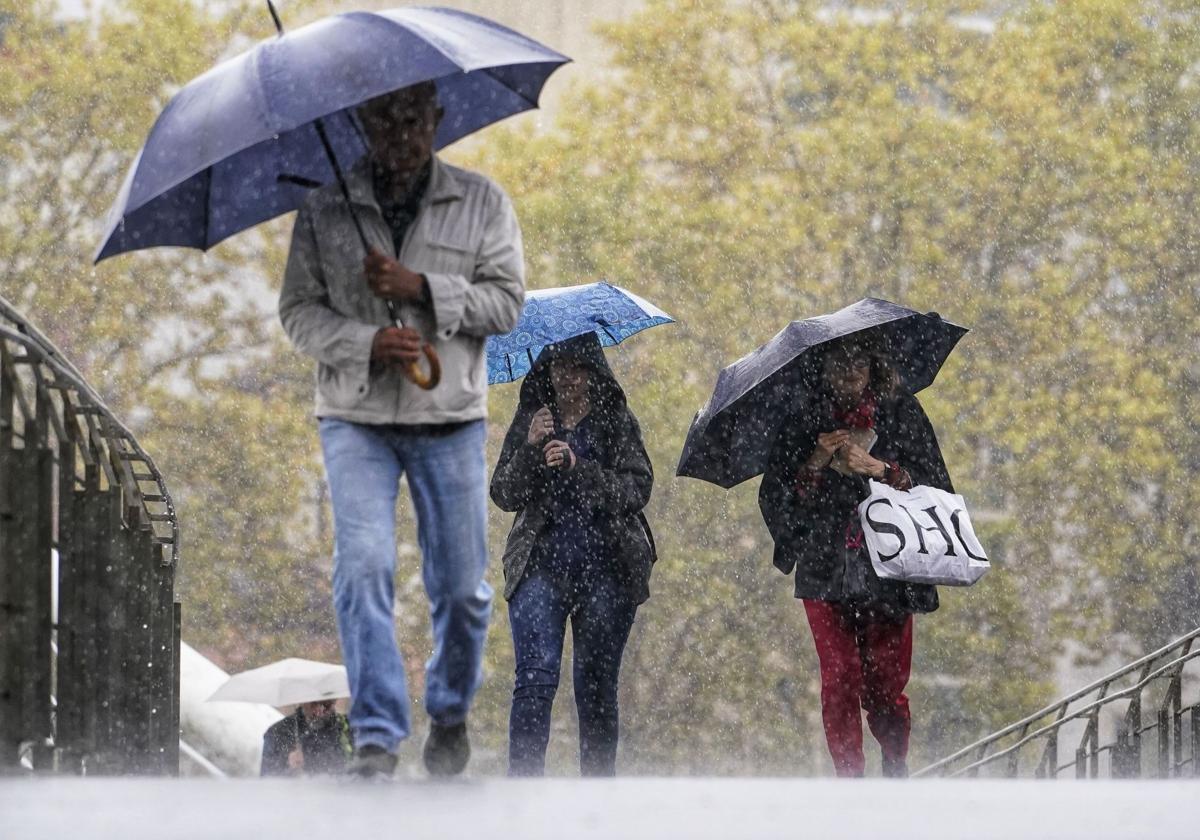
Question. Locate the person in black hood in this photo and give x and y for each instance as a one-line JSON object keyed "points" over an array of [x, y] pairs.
{"points": [[574, 470], [855, 424]]}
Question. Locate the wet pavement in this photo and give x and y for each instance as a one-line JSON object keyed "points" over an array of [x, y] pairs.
{"points": [[628, 808]]}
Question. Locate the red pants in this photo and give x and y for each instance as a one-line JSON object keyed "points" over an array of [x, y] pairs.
{"points": [[864, 665]]}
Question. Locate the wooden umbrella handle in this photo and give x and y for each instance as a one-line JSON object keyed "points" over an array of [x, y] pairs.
{"points": [[424, 381]]}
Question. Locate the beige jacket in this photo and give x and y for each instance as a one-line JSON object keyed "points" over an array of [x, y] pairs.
{"points": [[466, 242]]}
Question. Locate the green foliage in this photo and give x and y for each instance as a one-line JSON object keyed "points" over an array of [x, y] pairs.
{"points": [[749, 163]]}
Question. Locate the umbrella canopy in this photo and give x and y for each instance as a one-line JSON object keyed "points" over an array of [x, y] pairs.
{"points": [[731, 437], [554, 315], [239, 144], [286, 683]]}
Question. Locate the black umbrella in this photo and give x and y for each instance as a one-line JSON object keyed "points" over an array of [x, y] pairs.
{"points": [[731, 437]]}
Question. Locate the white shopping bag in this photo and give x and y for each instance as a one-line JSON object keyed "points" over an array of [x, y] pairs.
{"points": [[922, 535]]}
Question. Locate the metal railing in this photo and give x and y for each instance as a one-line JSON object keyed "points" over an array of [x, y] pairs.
{"points": [[89, 626], [1150, 737]]}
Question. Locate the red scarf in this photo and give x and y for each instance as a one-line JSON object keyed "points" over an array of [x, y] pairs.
{"points": [[862, 416]]}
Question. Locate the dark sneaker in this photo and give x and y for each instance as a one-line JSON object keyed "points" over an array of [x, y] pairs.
{"points": [[372, 763], [447, 749]]}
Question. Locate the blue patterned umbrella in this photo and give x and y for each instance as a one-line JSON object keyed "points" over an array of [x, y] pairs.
{"points": [[554, 315]]}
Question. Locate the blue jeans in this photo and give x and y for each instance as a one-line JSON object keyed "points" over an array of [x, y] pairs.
{"points": [[601, 615], [447, 478]]}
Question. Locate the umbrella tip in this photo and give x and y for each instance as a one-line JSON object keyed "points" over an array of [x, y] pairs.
{"points": [[933, 315], [275, 17]]}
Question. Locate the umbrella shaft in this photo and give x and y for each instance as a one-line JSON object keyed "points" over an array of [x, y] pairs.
{"points": [[275, 17], [394, 313], [319, 124]]}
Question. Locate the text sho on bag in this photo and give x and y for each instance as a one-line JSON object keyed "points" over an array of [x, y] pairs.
{"points": [[922, 535]]}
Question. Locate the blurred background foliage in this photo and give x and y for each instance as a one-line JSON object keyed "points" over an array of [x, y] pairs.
{"points": [[1028, 170]]}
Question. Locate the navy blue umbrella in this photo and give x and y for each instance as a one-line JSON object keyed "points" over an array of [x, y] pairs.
{"points": [[731, 437], [245, 142], [554, 315]]}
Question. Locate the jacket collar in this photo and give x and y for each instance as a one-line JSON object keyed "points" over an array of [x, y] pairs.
{"points": [[443, 184]]}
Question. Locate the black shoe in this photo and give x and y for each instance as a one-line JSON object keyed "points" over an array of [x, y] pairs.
{"points": [[372, 763], [447, 749]]}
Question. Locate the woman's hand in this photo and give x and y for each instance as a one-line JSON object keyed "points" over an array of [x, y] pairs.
{"points": [[541, 426], [859, 461], [559, 454], [828, 443]]}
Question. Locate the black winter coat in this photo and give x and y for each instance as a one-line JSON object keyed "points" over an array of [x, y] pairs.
{"points": [[618, 484], [810, 531]]}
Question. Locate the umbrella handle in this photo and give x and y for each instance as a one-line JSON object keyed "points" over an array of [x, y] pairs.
{"points": [[424, 381], [412, 372]]}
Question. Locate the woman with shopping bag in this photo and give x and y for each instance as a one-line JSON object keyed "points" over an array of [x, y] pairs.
{"points": [[854, 426]]}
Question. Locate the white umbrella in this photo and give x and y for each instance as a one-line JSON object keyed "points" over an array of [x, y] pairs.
{"points": [[286, 683]]}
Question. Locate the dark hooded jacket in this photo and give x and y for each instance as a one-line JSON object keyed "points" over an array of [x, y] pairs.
{"points": [[616, 483], [810, 529], [325, 743]]}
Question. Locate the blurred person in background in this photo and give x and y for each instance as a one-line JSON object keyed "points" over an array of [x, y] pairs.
{"points": [[314, 739]]}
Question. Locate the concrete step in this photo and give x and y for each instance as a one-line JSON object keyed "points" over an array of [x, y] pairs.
{"points": [[621, 809]]}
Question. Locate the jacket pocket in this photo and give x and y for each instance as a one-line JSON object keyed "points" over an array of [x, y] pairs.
{"points": [[340, 389], [450, 253], [633, 543], [337, 388], [518, 547]]}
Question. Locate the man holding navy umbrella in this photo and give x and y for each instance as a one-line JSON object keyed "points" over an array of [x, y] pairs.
{"points": [[445, 251], [398, 271]]}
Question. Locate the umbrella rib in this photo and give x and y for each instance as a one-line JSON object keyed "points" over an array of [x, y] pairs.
{"points": [[487, 71], [207, 205], [421, 31], [357, 129]]}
